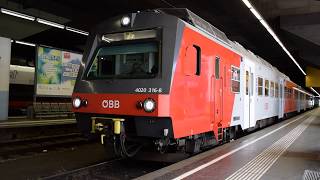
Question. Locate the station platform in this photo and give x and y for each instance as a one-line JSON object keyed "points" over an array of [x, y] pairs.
{"points": [[287, 150], [22, 121]]}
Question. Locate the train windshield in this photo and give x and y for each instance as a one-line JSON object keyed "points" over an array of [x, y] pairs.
{"points": [[128, 61]]}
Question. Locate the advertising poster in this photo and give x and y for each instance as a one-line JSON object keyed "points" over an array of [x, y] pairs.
{"points": [[56, 71]]}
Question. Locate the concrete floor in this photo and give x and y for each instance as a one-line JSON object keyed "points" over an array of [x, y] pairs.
{"points": [[287, 150]]}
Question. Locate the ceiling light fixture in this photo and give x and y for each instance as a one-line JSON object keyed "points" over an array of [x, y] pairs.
{"points": [[50, 23], [125, 20], [314, 91], [42, 21], [106, 39], [17, 14], [77, 31], [271, 32], [25, 43]]}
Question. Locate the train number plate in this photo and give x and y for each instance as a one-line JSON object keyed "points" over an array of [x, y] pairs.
{"points": [[148, 90]]}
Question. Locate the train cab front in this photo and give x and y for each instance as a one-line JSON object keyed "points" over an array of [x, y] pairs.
{"points": [[122, 90]]}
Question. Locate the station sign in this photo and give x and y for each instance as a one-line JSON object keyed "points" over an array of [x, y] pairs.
{"points": [[56, 71]]}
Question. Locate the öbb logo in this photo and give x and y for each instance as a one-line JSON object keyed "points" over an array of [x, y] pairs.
{"points": [[112, 104]]}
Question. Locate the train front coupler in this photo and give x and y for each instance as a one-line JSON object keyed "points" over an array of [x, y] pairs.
{"points": [[113, 130], [106, 127]]}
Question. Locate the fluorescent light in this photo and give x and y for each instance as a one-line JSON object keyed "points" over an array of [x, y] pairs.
{"points": [[314, 91], [42, 21], [247, 3], [77, 31], [26, 43], [106, 39], [264, 23], [17, 14], [255, 13], [271, 32], [49, 23]]}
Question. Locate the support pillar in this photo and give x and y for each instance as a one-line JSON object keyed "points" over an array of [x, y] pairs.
{"points": [[5, 56]]}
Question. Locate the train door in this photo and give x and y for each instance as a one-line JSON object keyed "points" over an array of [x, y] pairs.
{"points": [[218, 94], [281, 99], [248, 95]]}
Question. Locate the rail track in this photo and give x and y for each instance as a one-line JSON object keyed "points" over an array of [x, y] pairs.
{"points": [[17, 148], [113, 169]]}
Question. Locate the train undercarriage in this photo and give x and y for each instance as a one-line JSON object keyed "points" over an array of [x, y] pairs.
{"points": [[130, 135]]}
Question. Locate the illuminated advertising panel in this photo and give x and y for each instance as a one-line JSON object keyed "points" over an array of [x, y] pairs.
{"points": [[56, 71]]}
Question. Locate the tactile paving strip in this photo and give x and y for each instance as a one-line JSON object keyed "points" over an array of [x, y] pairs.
{"points": [[256, 168], [311, 175]]}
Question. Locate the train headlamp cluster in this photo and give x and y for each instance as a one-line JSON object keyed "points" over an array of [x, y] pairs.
{"points": [[77, 102], [149, 105], [125, 20]]}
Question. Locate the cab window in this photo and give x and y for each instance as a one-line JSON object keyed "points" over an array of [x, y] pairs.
{"points": [[125, 61]]}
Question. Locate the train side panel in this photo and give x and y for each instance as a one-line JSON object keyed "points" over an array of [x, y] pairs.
{"points": [[202, 103], [290, 100]]}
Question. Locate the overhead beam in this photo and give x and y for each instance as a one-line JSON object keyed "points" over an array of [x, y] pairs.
{"points": [[306, 26]]}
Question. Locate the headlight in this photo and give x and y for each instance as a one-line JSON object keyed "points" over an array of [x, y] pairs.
{"points": [[149, 105], [125, 21], [76, 102]]}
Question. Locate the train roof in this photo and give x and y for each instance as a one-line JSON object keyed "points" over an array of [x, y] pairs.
{"points": [[199, 23], [253, 57], [196, 21]]}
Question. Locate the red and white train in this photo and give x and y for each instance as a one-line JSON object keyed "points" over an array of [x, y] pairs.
{"points": [[168, 79], [21, 89]]}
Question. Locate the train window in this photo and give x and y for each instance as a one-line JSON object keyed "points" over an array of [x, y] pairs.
{"points": [[295, 94], [260, 86], [271, 88], [198, 59], [189, 64], [286, 92], [276, 90], [125, 61], [251, 84], [235, 79], [266, 87], [192, 62], [247, 83], [289, 93], [217, 68]]}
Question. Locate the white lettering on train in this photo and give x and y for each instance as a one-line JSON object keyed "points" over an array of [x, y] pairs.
{"points": [[112, 104]]}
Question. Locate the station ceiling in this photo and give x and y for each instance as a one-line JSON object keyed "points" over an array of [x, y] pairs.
{"points": [[296, 22]]}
